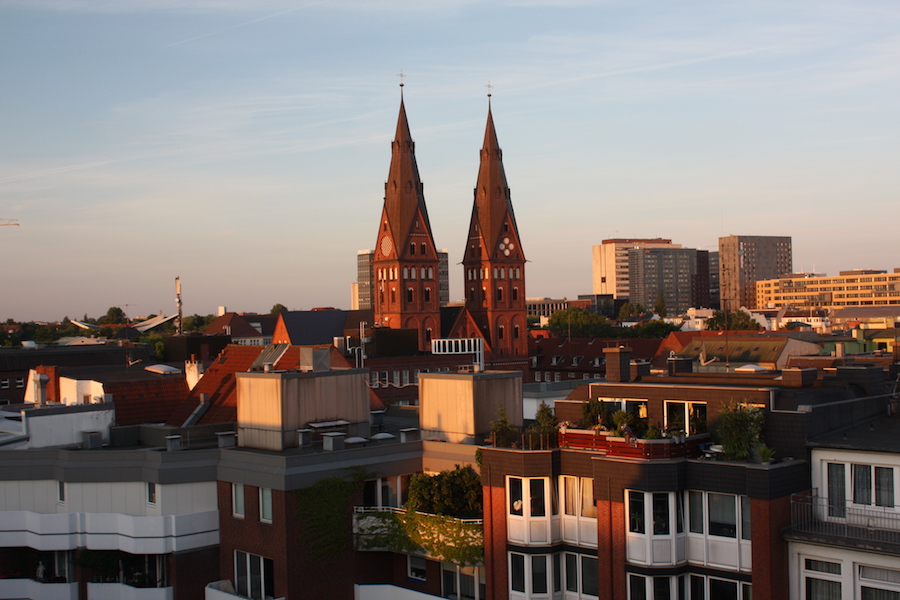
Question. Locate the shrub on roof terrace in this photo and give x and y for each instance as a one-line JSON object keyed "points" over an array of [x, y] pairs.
{"points": [[738, 429]]}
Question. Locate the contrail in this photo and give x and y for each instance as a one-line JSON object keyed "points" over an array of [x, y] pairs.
{"points": [[205, 35]]}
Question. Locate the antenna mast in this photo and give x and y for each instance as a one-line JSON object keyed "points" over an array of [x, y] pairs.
{"points": [[178, 304]]}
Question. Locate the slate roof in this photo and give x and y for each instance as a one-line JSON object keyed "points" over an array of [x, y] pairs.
{"points": [[19, 359], [313, 327], [880, 435]]}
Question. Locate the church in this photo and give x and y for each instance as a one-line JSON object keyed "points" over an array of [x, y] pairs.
{"points": [[405, 264]]}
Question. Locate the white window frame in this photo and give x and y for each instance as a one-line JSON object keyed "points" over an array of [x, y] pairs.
{"points": [[266, 594], [151, 493], [238, 508], [416, 567], [61, 492], [265, 505]]}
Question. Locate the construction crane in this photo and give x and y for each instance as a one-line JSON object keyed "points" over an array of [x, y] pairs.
{"points": [[8, 222]]}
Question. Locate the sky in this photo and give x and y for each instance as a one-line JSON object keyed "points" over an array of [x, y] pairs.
{"points": [[243, 146]]}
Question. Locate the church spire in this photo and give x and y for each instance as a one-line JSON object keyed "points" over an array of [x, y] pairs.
{"points": [[494, 263], [406, 263]]}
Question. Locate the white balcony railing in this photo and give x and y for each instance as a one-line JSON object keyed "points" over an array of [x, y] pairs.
{"points": [[811, 513], [35, 590], [120, 591]]}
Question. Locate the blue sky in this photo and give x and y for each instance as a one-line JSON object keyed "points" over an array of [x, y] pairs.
{"points": [[244, 145]]}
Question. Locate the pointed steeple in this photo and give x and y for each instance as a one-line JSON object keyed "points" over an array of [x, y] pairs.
{"points": [[493, 263], [406, 262]]}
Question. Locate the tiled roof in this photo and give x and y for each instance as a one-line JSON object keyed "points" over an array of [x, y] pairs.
{"points": [[235, 325]]}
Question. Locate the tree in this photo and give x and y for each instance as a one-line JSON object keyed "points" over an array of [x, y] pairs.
{"points": [[114, 316], [738, 429], [579, 322], [544, 420], [737, 320], [456, 493], [660, 306], [502, 431], [626, 311], [278, 309], [655, 329]]}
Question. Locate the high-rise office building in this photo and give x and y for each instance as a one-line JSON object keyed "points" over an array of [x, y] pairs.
{"points": [[746, 259], [668, 272], [610, 263]]}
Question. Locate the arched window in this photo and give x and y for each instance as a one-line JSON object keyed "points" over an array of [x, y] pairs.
{"points": [[428, 294], [472, 294], [518, 276], [430, 273], [393, 295], [495, 272], [515, 332], [428, 334], [500, 332], [405, 273], [499, 294], [423, 272], [412, 273], [515, 294], [409, 294], [412, 247], [423, 247], [484, 299], [502, 273]]}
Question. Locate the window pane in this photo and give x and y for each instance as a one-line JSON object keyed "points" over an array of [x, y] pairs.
{"points": [[237, 491], [570, 495], [557, 573], [679, 512], [660, 514], [539, 574], [240, 573], [884, 486], [876, 594], [662, 588], [719, 589], [515, 496], [823, 566], [255, 578], [588, 507], [517, 567], [265, 504], [698, 588], [590, 583], [636, 512], [722, 516], [268, 578], [571, 572], [638, 587], [819, 589], [862, 484], [837, 497], [537, 498], [696, 509], [745, 518]]}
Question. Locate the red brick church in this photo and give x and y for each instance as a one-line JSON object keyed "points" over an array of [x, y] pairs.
{"points": [[405, 264]]}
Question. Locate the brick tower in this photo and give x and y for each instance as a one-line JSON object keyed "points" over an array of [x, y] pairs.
{"points": [[405, 265], [494, 264]]}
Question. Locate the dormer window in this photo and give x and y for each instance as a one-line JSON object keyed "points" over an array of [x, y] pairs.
{"points": [[576, 360], [556, 359]]}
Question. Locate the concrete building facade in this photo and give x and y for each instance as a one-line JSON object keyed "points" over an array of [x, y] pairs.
{"points": [[746, 259]]}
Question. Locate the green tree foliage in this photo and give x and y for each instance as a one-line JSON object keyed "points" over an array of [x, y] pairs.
{"points": [[502, 431], [579, 323], [654, 329], [456, 493], [626, 311], [544, 420], [278, 309], [660, 306], [113, 316], [738, 429], [737, 320], [197, 323]]}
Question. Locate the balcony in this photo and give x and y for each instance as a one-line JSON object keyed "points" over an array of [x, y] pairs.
{"points": [[601, 442], [121, 591], [814, 518], [30, 588], [449, 539]]}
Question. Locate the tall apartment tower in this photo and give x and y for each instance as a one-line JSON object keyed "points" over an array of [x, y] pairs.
{"points": [[406, 267], [610, 263], [493, 263], [746, 259], [361, 291], [673, 273]]}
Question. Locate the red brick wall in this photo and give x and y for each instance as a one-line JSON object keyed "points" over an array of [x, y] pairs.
{"points": [[496, 575], [611, 550], [189, 572], [770, 551]]}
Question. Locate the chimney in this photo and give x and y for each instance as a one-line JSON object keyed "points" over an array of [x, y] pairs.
{"points": [[226, 439], [173, 443], [618, 364]]}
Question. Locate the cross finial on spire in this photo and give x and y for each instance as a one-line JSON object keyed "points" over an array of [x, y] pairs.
{"points": [[402, 77], [489, 87]]}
